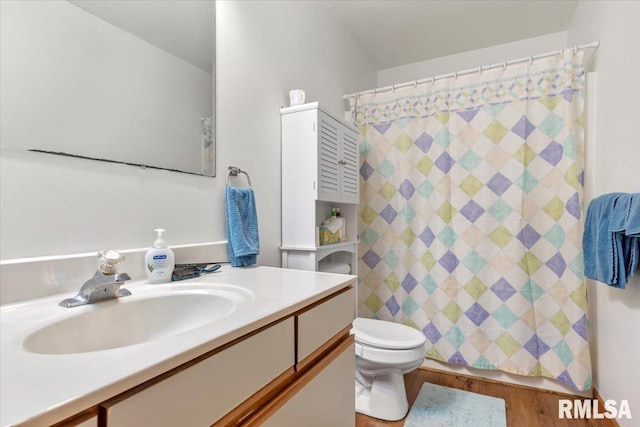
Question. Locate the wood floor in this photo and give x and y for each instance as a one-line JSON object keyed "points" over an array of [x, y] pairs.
{"points": [[526, 407]]}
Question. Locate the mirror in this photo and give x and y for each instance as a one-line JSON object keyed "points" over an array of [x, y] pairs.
{"points": [[120, 81]]}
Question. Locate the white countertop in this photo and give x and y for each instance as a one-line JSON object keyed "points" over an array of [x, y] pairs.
{"points": [[39, 389]]}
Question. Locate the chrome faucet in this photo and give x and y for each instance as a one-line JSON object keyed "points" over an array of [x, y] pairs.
{"points": [[105, 283]]}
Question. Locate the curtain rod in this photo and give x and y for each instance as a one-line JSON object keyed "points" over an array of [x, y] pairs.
{"points": [[480, 69]]}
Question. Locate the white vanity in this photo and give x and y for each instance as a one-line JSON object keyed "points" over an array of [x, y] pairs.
{"points": [[277, 352]]}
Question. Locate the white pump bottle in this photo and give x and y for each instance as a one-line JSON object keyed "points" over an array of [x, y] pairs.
{"points": [[159, 260]]}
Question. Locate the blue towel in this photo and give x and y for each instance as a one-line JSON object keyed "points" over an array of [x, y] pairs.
{"points": [[632, 232], [632, 227], [242, 227], [610, 254], [620, 212]]}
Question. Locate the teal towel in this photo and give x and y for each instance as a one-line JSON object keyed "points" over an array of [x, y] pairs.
{"points": [[242, 227], [610, 253]]}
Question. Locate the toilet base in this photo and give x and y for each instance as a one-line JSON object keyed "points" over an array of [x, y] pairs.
{"points": [[382, 396]]}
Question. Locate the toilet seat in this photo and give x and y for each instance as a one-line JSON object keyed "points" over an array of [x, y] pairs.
{"points": [[391, 358], [386, 335]]}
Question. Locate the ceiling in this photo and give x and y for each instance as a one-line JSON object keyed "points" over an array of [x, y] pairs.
{"points": [[391, 32], [399, 32]]}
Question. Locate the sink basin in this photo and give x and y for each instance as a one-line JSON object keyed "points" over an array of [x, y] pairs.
{"points": [[132, 320]]}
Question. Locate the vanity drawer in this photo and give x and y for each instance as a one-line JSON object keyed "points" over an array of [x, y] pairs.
{"points": [[325, 398], [201, 394], [318, 325]]}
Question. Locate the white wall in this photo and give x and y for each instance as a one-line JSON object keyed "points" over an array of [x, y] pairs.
{"points": [[265, 49], [55, 205], [472, 59], [614, 154]]}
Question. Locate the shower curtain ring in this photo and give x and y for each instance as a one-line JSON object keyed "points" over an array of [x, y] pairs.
{"points": [[575, 49], [531, 60], [504, 66], [480, 70], [455, 75], [415, 84]]}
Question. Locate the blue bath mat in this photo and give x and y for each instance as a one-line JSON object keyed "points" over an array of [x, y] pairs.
{"points": [[438, 406]]}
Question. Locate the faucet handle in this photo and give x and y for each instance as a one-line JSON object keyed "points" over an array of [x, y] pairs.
{"points": [[108, 261]]}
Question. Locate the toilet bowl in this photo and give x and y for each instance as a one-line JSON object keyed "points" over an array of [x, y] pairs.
{"points": [[385, 351]]}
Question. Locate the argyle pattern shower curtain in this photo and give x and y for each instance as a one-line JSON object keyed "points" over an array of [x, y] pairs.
{"points": [[470, 219]]}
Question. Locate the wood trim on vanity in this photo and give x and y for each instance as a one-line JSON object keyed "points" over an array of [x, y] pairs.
{"points": [[300, 382], [257, 400], [78, 419], [266, 395], [325, 348]]}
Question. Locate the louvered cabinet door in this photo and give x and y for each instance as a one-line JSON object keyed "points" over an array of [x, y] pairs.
{"points": [[338, 161], [349, 167], [329, 167]]}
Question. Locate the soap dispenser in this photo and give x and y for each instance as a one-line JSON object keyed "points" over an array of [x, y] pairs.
{"points": [[159, 260]]}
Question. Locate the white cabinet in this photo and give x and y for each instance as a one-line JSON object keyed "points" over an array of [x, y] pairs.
{"points": [[317, 325], [326, 398], [319, 152], [203, 393], [320, 161], [322, 392], [278, 373]]}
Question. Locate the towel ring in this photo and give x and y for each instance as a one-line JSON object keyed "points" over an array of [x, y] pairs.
{"points": [[234, 171]]}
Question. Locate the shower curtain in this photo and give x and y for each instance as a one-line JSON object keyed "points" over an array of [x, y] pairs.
{"points": [[470, 218]]}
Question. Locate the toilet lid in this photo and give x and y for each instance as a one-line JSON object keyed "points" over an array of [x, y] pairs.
{"points": [[383, 334]]}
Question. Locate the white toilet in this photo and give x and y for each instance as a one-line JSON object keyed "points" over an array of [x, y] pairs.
{"points": [[385, 351]]}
